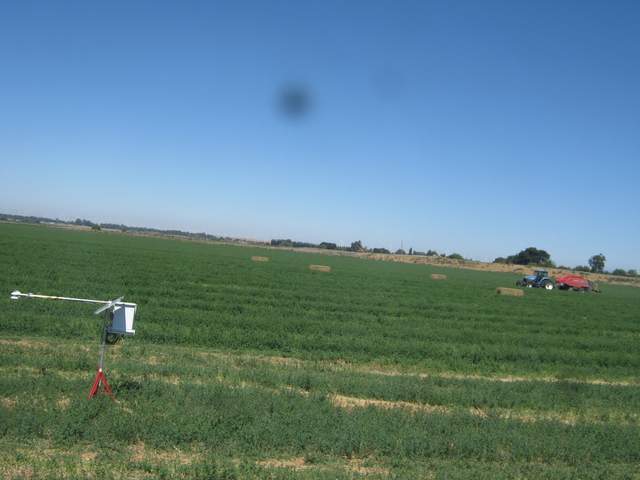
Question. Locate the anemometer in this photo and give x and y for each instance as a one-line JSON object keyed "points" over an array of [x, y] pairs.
{"points": [[118, 322]]}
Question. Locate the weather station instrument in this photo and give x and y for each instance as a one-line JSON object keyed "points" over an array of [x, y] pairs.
{"points": [[119, 319]]}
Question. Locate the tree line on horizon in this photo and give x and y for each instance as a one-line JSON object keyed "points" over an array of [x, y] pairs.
{"points": [[359, 247], [111, 226], [530, 256], [542, 258]]}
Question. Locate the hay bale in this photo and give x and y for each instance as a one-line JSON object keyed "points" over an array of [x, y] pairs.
{"points": [[438, 276], [320, 268], [257, 258], [514, 292]]}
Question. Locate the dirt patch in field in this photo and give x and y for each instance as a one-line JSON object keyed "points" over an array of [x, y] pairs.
{"points": [[296, 390], [511, 292], [350, 403], [438, 276], [320, 268], [63, 403], [357, 465], [25, 343], [531, 417], [8, 402], [172, 379], [140, 453], [153, 360], [88, 456], [257, 258], [525, 416], [285, 361], [296, 463], [21, 472], [512, 378]]}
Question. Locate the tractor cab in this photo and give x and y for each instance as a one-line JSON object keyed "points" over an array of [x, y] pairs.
{"points": [[540, 274], [537, 276], [539, 279]]}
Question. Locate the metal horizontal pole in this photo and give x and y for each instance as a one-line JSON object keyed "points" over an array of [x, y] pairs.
{"points": [[71, 299], [52, 297]]}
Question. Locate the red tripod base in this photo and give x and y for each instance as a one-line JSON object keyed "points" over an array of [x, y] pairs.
{"points": [[100, 380]]}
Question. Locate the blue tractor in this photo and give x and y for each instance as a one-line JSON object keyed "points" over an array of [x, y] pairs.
{"points": [[539, 279]]}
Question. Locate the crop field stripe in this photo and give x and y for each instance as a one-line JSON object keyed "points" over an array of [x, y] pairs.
{"points": [[362, 388], [11, 376], [44, 345], [436, 429]]}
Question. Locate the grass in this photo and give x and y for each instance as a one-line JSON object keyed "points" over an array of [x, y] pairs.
{"points": [[243, 369]]}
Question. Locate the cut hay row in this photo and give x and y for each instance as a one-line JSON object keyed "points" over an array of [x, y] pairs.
{"points": [[239, 359], [438, 276], [341, 365], [355, 465], [257, 258], [349, 402]]}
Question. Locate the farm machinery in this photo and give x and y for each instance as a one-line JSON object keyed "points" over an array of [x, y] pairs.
{"points": [[539, 279], [576, 282]]}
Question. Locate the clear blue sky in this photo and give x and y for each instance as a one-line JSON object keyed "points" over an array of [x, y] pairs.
{"points": [[475, 127]]}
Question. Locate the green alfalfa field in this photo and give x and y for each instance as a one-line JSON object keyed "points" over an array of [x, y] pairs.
{"points": [[243, 369]]}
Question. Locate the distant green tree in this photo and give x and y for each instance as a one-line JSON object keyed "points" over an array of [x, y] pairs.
{"points": [[620, 272], [381, 250], [531, 256], [500, 260], [357, 246], [432, 253], [597, 263], [400, 252], [456, 256], [411, 251], [582, 268], [632, 273], [328, 245]]}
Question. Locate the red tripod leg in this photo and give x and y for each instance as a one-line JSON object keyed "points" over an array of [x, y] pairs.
{"points": [[96, 385], [100, 379], [107, 387]]}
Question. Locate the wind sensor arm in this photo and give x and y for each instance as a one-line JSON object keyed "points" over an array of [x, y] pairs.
{"points": [[119, 314], [16, 294]]}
